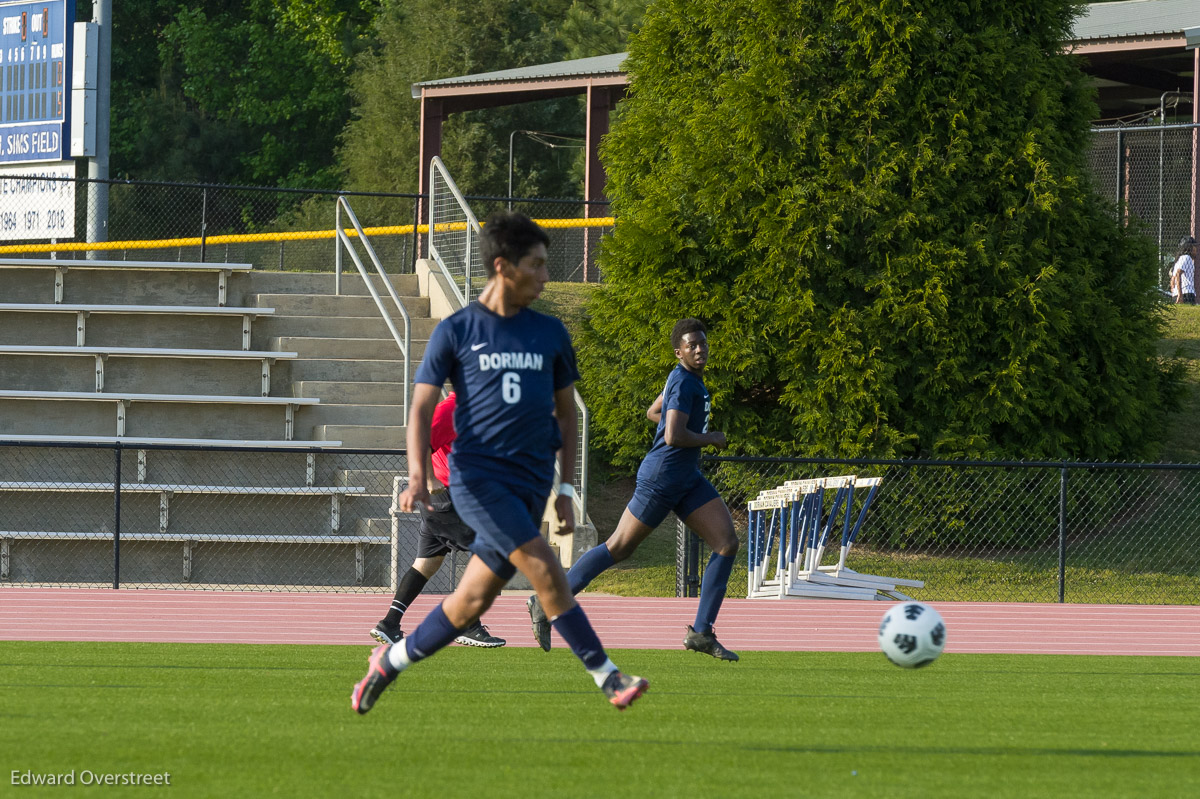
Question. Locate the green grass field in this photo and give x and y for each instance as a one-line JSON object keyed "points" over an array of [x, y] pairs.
{"points": [[243, 720]]}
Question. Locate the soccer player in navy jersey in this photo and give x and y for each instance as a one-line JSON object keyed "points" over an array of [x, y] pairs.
{"points": [[514, 372], [669, 479]]}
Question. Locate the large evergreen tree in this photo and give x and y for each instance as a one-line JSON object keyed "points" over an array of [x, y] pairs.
{"points": [[881, 208]]}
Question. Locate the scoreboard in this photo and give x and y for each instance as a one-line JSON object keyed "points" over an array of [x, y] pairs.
{"points": [[35, 80]]}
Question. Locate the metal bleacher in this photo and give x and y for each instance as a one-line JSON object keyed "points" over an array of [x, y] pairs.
{"points": [[166, 364]]}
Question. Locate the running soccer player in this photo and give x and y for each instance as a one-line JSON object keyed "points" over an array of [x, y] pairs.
{"points": [[514, 371], [441, 532], [669, 479]]}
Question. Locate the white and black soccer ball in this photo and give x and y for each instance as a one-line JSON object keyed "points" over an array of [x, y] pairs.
{"points": [[912, 634]]}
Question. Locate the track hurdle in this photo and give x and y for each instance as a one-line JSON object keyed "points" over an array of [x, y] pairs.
{"points": [[781, 522], [789, 532], [841, 571]]}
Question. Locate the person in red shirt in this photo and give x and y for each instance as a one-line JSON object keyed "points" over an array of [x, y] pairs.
{"points": [[442, 531]]}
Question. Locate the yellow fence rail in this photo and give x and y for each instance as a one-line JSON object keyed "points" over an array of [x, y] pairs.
{"points": [[298, 235]]}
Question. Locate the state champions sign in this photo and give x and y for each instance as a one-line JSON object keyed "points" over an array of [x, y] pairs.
{"points": [[37, 201]]}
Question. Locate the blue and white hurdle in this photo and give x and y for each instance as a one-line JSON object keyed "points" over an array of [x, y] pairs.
{"points": [[843, 572], [789, 531]]}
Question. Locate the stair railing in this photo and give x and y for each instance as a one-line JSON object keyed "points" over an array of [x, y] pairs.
{"points": [[404, 342]]}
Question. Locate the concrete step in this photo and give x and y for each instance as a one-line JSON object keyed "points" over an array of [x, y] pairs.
{"points": [[330, 305], [379, 349], [143, 419], [198, 513], [326, 369], [378, 527], [362, 436], [333, 327], [141, 375], [283, 468], [376, 481], [350, 414], [347, 392], [264, 282], [364, 506], [113, 286], [116, 330]]}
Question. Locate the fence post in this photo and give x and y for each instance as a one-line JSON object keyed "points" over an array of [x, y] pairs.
{"points": [[1122, 211], [693, 563], [1062, 534], [117, 519], [416, 251], [687, 561], [203, 222]]}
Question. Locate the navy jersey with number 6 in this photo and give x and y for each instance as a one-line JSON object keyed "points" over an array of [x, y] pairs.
{"points": [[505, 371], [665, 465]]}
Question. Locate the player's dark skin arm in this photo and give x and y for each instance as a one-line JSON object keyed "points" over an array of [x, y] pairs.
{"points": [[676, 432]]}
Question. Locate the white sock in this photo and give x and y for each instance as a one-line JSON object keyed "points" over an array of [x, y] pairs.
{"points": [[397, 655], [601, 674]]}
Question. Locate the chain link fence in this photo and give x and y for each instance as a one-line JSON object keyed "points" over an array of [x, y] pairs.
{"points": [[49, 214], [206, 518], [575, 228], [1149, 173], [1125, 533]]}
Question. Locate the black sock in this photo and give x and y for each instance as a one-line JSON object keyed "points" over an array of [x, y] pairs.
{"points": [[411, 585]]}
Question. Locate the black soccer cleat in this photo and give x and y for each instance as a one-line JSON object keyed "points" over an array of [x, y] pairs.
{"points": [[380, 674], [478, 635], [386, 633], [622, 689], [541, 624], [707, 644]]}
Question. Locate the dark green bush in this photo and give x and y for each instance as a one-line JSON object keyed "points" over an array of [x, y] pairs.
{"points": [[882, 211]]}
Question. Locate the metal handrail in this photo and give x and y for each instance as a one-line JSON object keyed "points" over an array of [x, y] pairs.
{"points": [[472, 226], [404, 343], [582, 465]]}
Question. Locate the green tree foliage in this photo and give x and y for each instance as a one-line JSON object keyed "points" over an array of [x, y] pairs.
{"points": [[882, 211], [274, 71], [420, 40], [599, 27], [317, 93], [238, 91]]}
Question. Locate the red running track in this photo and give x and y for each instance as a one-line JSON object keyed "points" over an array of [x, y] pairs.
{"points": [[64, 614]]}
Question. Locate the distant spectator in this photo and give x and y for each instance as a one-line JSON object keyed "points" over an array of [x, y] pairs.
{"points": [[1183, 273]]}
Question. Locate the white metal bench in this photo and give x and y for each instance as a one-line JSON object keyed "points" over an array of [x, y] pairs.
{"points": [[123, 400], [101, 354], [360, 542], [132, 442], [166, 490], [62, 266], [83, 311]]}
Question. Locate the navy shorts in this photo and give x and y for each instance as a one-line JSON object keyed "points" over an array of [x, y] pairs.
{"points": [[442, 531], [503, 518], [651, 502]]}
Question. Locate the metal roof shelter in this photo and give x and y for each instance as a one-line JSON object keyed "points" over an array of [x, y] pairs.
{"points": [[1136, 50], [600, 78]]}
